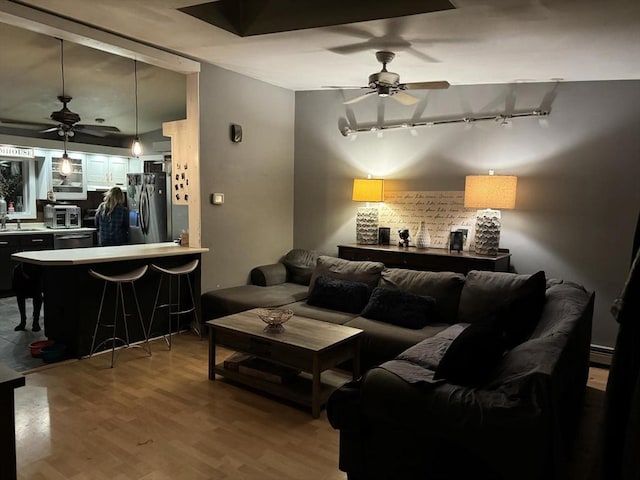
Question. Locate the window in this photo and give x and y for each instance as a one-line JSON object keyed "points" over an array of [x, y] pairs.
{"points": [[17, 186]]}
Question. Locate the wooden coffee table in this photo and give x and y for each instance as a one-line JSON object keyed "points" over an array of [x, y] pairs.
{"points": [[308, 345]]}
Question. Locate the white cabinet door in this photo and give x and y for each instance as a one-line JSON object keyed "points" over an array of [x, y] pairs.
{"points": [[118, 168], [97, 170], [106, 171]]}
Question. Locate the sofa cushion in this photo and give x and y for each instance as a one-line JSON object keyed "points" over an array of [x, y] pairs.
{"points": [[473, 355], [445, 287], [400, 307], [382, 341], [521, 311], [226, 301], [484, 292], [300, 264], [365, 272], [336, 294], [303, 309]]}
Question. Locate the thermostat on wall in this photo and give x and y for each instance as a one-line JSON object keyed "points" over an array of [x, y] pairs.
{"points": [[217, 198]]}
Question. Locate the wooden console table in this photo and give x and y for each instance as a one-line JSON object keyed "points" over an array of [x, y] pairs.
{"points": [[432, 259]]}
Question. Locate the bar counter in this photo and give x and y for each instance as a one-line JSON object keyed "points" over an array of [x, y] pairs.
{"points": [[72, 296]]}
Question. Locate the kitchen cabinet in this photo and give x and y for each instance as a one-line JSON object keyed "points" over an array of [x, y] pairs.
{"points": [[71, 186], [41, 239], [106, 170], [10, 244]]}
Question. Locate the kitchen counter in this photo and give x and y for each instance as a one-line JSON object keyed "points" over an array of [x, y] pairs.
{"points": [[72, 295], [31, 228], [80, 256]]}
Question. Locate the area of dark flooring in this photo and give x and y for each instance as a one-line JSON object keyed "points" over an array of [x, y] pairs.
{"points": [[14, 346]]}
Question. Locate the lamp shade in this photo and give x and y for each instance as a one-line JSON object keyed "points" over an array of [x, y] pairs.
{"points": [[490, 191], [368, 190]]}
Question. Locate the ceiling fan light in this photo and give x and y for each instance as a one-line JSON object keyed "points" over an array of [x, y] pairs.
{"points": [[383, 91], [136, 148]]}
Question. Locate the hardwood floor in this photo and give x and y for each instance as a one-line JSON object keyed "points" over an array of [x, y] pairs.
{"points": [[161, 418]]}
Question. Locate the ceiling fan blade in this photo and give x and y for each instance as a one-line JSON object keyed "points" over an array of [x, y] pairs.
{"points": [[357, 99], [96, 130], [105, 128], [344, 87], [404, 98], [425, 85], [350, 31], [51, 129], [19, 124], [422, 56], [353, 48]]}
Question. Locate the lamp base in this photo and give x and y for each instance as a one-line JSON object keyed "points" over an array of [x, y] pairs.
{"points": [[367, 226], [487, 232]]}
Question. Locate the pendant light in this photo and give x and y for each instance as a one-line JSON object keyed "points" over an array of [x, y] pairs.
{"points": [[136, 148], [65, 164]]}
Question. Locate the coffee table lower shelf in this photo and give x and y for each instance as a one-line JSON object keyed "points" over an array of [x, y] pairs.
{"points": [[297, 390]]}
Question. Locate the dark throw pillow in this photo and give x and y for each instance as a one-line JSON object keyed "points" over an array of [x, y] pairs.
{"points": [[400, 307], [342, 295], [472, 355], [521, 312]]}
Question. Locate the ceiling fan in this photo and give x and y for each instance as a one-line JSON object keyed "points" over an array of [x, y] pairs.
{"points": [[387, 84], [67, 121]]}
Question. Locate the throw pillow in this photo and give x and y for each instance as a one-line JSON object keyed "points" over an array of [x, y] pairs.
{"points": [[342, 295], [399, 307], [355, 271], [472, 355], [521, 312]]}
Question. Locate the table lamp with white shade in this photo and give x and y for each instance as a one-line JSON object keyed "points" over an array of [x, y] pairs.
{"points": [[367, 190], [489, 193]]}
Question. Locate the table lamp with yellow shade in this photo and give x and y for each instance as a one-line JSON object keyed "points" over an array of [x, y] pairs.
{"points": [[367, 190], [489, 193]]}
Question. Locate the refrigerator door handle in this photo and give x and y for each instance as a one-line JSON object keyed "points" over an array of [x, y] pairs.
{"points": [[144, 212]]}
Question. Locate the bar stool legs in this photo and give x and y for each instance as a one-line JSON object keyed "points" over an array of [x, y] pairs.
{"points": [[119, 281], [178, 273]]}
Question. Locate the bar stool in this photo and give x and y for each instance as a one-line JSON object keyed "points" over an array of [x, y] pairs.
{"points": [[119, 281], [175, 272]]}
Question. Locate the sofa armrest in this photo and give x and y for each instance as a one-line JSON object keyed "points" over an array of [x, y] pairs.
{"points": [[444, 409], [266, 275]]}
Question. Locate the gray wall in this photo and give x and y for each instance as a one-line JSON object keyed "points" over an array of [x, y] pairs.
{"points": [[255, 224], [578, 171]]}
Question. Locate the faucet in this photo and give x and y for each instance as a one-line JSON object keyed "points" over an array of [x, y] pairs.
{"points": [[18, 224], [3, 221]]}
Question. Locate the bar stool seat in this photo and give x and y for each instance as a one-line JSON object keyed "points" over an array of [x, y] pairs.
{"points": [[175, 272], [119, 281]]}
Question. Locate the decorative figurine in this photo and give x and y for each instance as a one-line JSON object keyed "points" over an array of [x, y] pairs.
{"points": [[404, 238]]}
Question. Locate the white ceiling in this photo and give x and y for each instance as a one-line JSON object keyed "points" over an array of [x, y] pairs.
{"points": [[480, 42]]}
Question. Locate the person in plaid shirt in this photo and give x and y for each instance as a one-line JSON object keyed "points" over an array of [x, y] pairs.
{"points": [[112, 219]]}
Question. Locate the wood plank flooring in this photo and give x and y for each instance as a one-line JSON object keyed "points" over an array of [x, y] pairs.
{"points": [[160, 418]]}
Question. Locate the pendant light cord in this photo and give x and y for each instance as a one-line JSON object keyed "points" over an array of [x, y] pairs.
{"points": [[62, 64], [135, 77]]}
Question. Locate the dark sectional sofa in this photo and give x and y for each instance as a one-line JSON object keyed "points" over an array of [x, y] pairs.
{"points": [[401, 421]]}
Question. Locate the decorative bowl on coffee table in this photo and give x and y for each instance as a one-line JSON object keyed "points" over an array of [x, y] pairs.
{"points": [[274, 318]]}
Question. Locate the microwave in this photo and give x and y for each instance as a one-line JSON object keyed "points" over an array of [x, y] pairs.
{"points": [[62, 216]]}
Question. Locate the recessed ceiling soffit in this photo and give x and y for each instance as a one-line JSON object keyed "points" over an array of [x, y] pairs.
{"points": [[257, 17]]}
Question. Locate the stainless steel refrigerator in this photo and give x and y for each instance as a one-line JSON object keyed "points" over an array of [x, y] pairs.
{"points": [[149, 216]]}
